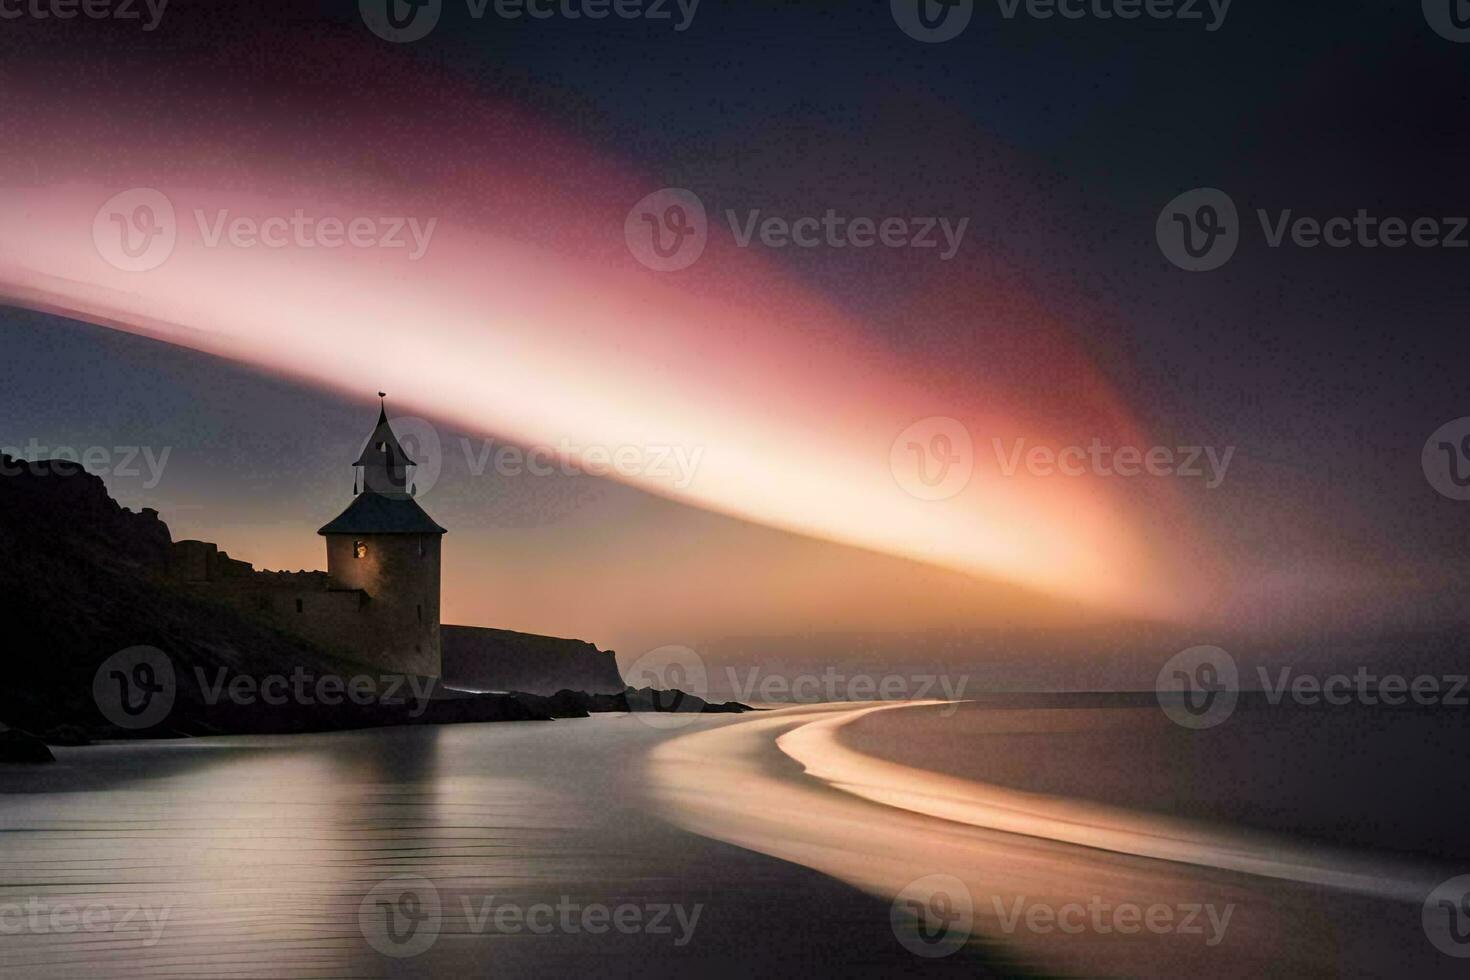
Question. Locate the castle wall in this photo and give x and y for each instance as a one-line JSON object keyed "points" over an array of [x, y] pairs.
{"points": [[381, 610], [303, 607]]}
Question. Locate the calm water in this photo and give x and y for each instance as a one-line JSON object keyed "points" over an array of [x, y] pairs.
{"points": [[724, 855], [1388, 779], [1052, 834]]}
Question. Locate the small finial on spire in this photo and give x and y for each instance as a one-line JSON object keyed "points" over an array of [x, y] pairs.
{"points": [[382, 394]]}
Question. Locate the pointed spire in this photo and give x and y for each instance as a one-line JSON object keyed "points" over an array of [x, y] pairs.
{"points": [[383, 459]]}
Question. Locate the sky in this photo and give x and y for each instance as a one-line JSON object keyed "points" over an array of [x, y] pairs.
{"points": [[520, 161]]}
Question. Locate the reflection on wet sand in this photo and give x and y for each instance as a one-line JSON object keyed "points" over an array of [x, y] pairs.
{"points": [[1052, 884], [256, 854], [245, 852]]}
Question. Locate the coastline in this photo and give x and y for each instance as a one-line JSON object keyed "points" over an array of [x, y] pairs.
{"points": [[784, 846], [806, 798]]}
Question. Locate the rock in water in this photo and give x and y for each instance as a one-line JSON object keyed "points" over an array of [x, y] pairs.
{"points": [[16, 746]]}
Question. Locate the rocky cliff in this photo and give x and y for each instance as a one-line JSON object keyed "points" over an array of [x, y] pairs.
{"points": [[480, 659], [105, 638]]}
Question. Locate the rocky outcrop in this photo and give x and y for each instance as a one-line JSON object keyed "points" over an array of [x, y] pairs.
{"points": [[480, 659], [87, 582], [23, 748], [579, 704], [86, 579]]}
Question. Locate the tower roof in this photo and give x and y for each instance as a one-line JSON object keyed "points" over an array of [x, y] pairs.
{"points": [[376, 513], [383, 446]]}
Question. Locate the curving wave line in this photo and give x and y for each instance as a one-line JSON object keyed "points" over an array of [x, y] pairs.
{"points": [[781, 784], [820, 751]]}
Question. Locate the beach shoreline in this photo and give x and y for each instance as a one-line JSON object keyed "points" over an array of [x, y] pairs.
{"points": [[260, 856], [1278, 905]]}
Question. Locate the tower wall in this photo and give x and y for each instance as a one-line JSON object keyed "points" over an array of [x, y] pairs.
{"points": [[397, 626]]}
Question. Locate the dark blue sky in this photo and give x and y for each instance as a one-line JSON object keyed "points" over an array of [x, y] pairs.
{"points": [[1062, 140]]}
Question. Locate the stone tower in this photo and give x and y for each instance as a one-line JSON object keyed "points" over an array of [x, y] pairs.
{"points": [[386, 548]]}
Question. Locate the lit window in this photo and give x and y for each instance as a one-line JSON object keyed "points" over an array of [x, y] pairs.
{"points": [[359, 549]]}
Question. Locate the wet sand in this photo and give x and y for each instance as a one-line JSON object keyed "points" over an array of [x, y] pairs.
{"points": [[787, 836], [1296, 908], [256, 854]]}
